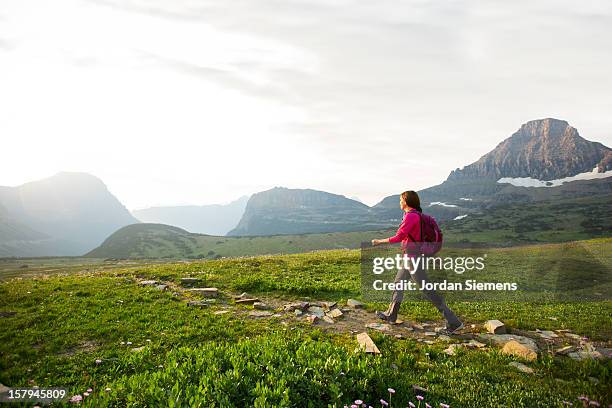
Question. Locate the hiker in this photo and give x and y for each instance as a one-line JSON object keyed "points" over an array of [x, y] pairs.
{"points": [[408, 233]]}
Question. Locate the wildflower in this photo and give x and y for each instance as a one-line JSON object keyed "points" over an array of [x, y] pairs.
{"points": [[383, 402], [594, 403], [354, 406], [358, 402], [391, 390], [411, 404], [420, 397], [76, 399], [427, 405], [86, 394], [89, 390], [583, 398], [98, 361], [107, 389], [442, 405]]}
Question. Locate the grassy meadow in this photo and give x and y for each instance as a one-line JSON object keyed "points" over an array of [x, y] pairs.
{"points": [[89, 324]]}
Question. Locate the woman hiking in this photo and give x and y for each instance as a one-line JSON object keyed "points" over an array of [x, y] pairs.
{"points": [[409, 228]]}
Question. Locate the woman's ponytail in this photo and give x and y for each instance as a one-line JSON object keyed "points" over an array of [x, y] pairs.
{"points": [[411, 198]]}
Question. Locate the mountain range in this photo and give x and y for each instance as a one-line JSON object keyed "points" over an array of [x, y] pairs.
{"points": [[540, 177], [214, 219], [66, 214]]}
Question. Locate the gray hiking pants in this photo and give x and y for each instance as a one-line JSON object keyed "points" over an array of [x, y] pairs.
{"points": [[431, 295]]}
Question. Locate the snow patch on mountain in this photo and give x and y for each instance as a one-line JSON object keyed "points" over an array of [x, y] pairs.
{"points": [[531, 182]]}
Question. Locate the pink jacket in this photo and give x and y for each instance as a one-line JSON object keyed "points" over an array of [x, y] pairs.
{"points": [[410, 227]]}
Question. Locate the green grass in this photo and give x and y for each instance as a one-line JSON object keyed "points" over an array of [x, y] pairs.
{"points": [[65, 321]]}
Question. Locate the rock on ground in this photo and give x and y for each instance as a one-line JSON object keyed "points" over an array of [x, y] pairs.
{"points": [[521, 367], [495, 327]]}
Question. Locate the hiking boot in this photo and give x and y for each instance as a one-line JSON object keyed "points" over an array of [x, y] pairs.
{"points": [[383, 316], [452, 329]]}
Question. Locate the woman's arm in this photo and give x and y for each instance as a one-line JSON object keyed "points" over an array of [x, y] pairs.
{"points": [[400, 235]]}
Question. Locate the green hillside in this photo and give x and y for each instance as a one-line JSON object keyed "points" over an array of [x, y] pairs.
{"points": [[499, 225], [143, 345]]}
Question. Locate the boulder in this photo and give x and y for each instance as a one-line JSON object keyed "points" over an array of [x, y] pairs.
{"points": [[335, 313], [495, 327], [328, 305], [564, 350], [515, 348]]}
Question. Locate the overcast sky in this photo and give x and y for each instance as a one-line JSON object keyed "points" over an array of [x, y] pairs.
{"points": [[195, 102]]}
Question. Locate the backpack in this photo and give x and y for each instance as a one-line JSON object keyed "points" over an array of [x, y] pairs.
{"points": [[431, 236]]}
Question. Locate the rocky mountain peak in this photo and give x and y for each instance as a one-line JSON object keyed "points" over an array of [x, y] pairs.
{"points": [[544, 149]]}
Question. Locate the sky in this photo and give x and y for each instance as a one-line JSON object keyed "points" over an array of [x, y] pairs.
{"points": [[174, 102]]}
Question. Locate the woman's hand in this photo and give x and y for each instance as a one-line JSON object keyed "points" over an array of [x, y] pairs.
{"points": [[377, 242]]}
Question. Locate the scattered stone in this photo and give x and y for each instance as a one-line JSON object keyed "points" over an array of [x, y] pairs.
{"points": [[260, 306], [418, 390], [547, 334], [298, 312], [515, 348], [430, 342], [495, 327], [328, 305], [409, 329], [605, 352], [3, 388], [475, 344], [148, 283], [246, 301], [585, 355], [418, 326], [366, 344], [355, 304], [399, 336], [260, 313], [562, 330], [521, 367], [198, 303], [189, 281], [328, 319], [430, 334], [397, 322], [220, 312], [564, 350], [502, 339], [295, 306], [452, 349], [207, 292], [316, 310], [335, 313], [241, 296], [444, 337], [162, 287], [137, 349], [312, 319], [378, 326], [277, 315], [573, 336]]}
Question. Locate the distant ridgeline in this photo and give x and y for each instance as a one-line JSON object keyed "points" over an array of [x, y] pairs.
{"points": [[545, 183]]}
